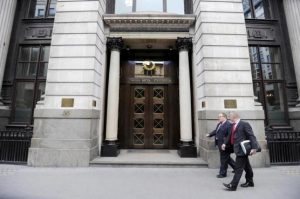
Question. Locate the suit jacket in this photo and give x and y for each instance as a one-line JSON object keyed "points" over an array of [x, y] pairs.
{"points": [[243, 131], [221, 133]]}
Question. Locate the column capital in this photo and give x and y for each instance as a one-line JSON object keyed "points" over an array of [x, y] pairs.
{"points": [[115, 43], [184, 43]]}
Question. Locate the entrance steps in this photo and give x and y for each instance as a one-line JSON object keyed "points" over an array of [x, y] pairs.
{"points": [[148, 158]]}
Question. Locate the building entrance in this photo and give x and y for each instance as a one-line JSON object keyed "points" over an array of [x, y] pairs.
{"points": [[149, 108]]}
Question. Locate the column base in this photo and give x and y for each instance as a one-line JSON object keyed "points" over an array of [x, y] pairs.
{"points": [[187, 150], [110, 149]]}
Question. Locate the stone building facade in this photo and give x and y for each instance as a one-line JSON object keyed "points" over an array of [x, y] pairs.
{"points": [[94, 76]]}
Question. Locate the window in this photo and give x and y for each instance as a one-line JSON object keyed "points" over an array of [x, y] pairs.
{"points": [[29, 81], [256, 9], [149, 5], [123, 6], [129, 6], [268, 82], [175, 6], [42, 8]]}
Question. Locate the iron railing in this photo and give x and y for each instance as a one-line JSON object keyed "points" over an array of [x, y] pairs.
{"points": [[14, 145], [284, 147]]}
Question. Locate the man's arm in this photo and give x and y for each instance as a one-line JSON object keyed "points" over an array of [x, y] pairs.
{"points": [[213, 133]]}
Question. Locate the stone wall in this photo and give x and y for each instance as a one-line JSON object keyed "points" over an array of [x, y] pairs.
{"points": [[222, 71], [67, 134], [291, 10]]}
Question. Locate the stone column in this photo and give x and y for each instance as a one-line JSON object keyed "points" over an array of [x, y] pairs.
{"points": [[7, 13], [291, 8], [187, 148], [292, 14], [110, 146]]}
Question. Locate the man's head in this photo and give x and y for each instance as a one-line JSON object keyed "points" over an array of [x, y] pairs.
{"points": [[234, 116], [222, 117]]}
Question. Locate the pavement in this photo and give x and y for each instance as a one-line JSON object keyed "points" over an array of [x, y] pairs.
{"points": [[22, 182]]}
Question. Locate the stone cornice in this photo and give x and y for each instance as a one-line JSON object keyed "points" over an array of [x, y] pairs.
{"points": [[149, 22]]}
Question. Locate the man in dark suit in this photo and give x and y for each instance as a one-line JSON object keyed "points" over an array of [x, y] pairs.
{"points": [[220, 133], [240, 131]]}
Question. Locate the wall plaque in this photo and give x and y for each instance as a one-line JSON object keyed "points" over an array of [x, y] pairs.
{"points": [[33, 33], [263, 34], [67, 102], [230, 103]]}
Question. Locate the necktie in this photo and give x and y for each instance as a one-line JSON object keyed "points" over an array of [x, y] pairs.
{"points": [[232, 132]]}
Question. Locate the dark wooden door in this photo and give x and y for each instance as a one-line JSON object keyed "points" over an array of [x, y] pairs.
{"points": [[149, 116], [149, 107]]}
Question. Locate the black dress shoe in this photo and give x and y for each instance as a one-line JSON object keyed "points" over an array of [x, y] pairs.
{"points": [[230, 187], [247, 184], [221, 176]]}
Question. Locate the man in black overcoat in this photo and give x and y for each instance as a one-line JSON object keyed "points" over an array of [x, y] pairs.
{"points": [[240, 131]]}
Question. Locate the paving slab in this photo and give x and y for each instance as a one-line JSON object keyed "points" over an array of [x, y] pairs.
{"points": [[22, 182]]}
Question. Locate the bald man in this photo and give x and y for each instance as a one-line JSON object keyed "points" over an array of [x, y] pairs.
{"points": [[240, 131]]}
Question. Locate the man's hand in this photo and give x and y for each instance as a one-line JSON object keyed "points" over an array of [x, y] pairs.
{"points": [[253, 151], [207, 135], [223, 147]]}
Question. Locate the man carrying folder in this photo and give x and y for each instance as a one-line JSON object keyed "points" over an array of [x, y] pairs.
{"points": [[240, 131]]}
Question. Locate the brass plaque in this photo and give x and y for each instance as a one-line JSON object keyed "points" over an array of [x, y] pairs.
{"points": [[94, 103], [230, 103], [67, 102], [203, 104]]}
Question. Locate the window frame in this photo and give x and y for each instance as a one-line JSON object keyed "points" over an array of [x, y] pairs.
{"points": [[262, 81], [252, 11], [188, 9], [46, 15], [36, 80]]}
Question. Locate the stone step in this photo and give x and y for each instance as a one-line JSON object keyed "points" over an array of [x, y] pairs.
{"points": [[148, 158]]}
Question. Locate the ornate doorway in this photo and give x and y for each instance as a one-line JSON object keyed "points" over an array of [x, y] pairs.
{"points": [[149, 108]]}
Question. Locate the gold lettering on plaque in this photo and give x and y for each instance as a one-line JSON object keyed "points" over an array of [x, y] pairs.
{"points": [[67, 102], [230, 103]]}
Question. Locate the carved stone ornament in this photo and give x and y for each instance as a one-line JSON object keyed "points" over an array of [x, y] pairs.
{"points": [[32, 33], [184, 43], [149, 22], [115, 43], [267, 34]]}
